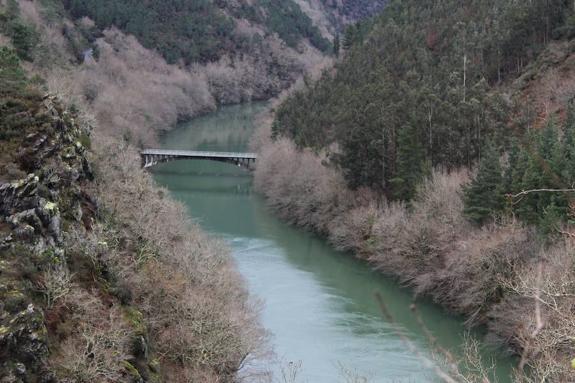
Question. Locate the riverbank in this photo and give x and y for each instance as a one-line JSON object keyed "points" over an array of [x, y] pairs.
{"points": [[318, 304], [134, 93], [102, 276], [498, 277]]}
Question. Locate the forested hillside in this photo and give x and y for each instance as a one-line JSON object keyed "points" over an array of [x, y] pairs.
{"points": [[416, 91], [200, 31], [355, 10], [440, 149], [115, 58]]}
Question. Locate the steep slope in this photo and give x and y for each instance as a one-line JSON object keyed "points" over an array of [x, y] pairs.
{"points": [[350, 11], [94, 284], [440, 149], [90, 289], [200, 31], [546, 87], [423, 71], [116, 65], [333, 16]]}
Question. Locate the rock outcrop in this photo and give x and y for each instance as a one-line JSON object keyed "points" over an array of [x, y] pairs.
{"points": [[32, 211]]}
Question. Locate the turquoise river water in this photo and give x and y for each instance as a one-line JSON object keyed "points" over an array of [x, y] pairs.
{"points": [[318, 304]]}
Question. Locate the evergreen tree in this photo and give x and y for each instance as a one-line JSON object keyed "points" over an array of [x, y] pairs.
{"points": [[24, 37], [336, 45], [568, 170], [547, 140], [550, 220], [510, 186], [199, 30], [550, 161], [12, 77], [349, 36], [527, 208], [439, 61], [412, 164], [484, 195]]}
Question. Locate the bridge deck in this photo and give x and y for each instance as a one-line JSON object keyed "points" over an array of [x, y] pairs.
{"points": [[198, 154]]}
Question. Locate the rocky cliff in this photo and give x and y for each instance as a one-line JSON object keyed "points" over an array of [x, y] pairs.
{"points": [[41, 197], [90, 289]]}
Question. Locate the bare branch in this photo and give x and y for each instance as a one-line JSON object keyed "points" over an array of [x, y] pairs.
{"points": [[526, 192], [426, 361]]}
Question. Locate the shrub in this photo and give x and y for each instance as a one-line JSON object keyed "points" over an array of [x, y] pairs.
{"points": [[199, 317], [55, 284], [12, 77], [487, 274], [24, 37], [98, 345]]}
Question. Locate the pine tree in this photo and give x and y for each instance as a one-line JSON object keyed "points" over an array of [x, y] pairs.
{"points": [[349, 37], [509, 186], [568, 171], [483, 198], [527, 209], [412, 164], [549, 220], [547, 140], [12, 77], [551, 162], [336, 45]]}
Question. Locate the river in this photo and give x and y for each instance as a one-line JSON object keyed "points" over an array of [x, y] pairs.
{"points": [[318, 304]]}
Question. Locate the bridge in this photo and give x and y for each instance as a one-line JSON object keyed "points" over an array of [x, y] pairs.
{"points": [[151, 157]]}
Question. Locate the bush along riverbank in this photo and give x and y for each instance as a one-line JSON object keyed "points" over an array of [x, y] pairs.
{"points": [[499, 275], [454, 86], [102, 278]]}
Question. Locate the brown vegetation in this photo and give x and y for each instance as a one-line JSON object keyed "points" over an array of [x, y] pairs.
{"points": [[131, 91], [134, 94], [547, 84], [103, 277], [112, 283], [489, 275], [193, 302]]}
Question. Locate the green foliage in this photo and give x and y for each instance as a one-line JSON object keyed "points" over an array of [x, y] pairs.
{"points": [[24, 37], [424, 66], [12, 77], [542, 163], [290, 23], [200, 30], [412, 164], [336, 45], [17, 110], [484, 196], [85, 140], [356, 33]]}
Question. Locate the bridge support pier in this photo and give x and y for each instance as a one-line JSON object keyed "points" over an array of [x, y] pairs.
{"points": [[149, 160]]}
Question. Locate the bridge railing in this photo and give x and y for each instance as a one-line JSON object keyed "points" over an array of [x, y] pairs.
{"points": [[198, 154]]}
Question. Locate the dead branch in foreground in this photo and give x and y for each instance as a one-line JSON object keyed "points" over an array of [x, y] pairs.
{"points": [[426, 361]]}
